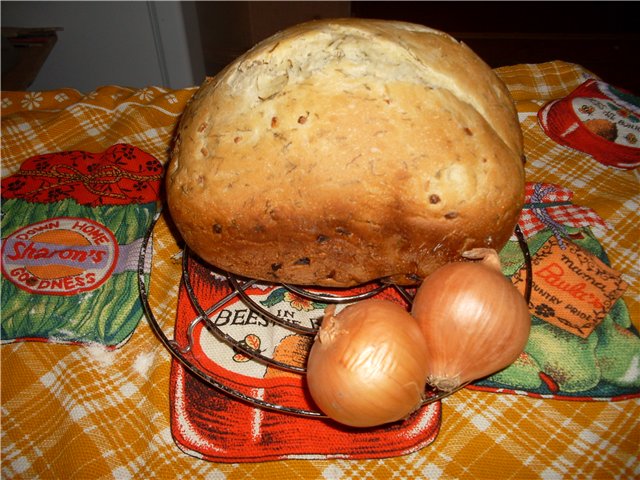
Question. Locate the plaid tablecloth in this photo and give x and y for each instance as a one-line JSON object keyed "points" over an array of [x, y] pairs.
{"points": [[89, 412]]}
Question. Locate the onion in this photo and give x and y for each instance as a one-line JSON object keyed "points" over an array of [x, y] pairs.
{"points": [[367, 364], [474, 320]]}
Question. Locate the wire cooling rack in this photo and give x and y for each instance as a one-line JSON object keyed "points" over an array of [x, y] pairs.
{"points": [[239, 287]]}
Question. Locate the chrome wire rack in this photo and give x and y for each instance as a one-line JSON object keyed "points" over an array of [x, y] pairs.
{"points": [[239, 287]]}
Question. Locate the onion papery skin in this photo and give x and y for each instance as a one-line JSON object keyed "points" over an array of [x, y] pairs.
{"points": [[475, 323], [366, 366]]}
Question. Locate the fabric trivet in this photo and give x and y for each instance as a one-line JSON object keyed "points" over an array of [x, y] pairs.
{"points": [[582, 344], [216, 426], [72, 228], [598, 119]]}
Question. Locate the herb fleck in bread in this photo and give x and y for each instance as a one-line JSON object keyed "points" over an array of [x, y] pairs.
{"points": [[338, 152]]}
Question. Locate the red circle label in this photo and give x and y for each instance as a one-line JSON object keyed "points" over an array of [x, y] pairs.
{"points": [[60, 256]]}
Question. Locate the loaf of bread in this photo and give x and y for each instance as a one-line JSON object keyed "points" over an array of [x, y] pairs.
{"points": [[339, 152]]}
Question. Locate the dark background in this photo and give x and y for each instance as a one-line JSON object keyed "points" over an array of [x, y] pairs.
{"points": [[601, 36]]}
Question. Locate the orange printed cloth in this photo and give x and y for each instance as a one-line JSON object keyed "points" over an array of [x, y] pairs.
{"points": [[92, 412], [247, 421]]}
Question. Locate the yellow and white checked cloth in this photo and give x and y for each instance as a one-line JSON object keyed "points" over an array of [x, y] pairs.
{"points": [[85, 412]]}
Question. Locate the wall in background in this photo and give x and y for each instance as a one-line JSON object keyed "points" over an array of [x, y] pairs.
{"points": [[228, 29], [134, 44], [174, 44], [601, 36]]}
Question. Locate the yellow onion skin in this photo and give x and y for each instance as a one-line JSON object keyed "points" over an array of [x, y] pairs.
{"points": [[366, 366], [475, 322]]}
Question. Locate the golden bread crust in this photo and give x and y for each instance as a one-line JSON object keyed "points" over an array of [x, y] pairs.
{"points": [[338, 152]]}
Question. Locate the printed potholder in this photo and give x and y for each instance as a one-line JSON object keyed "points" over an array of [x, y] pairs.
{"points": [[209, 423], [583, 345], [72, 228], [598, 119]]}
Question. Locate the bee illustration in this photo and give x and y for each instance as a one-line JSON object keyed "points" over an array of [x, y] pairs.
{"points": [[587, 109]]}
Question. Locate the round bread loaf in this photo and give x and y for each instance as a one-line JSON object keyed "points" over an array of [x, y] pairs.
{"points": [[338, 152]]}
